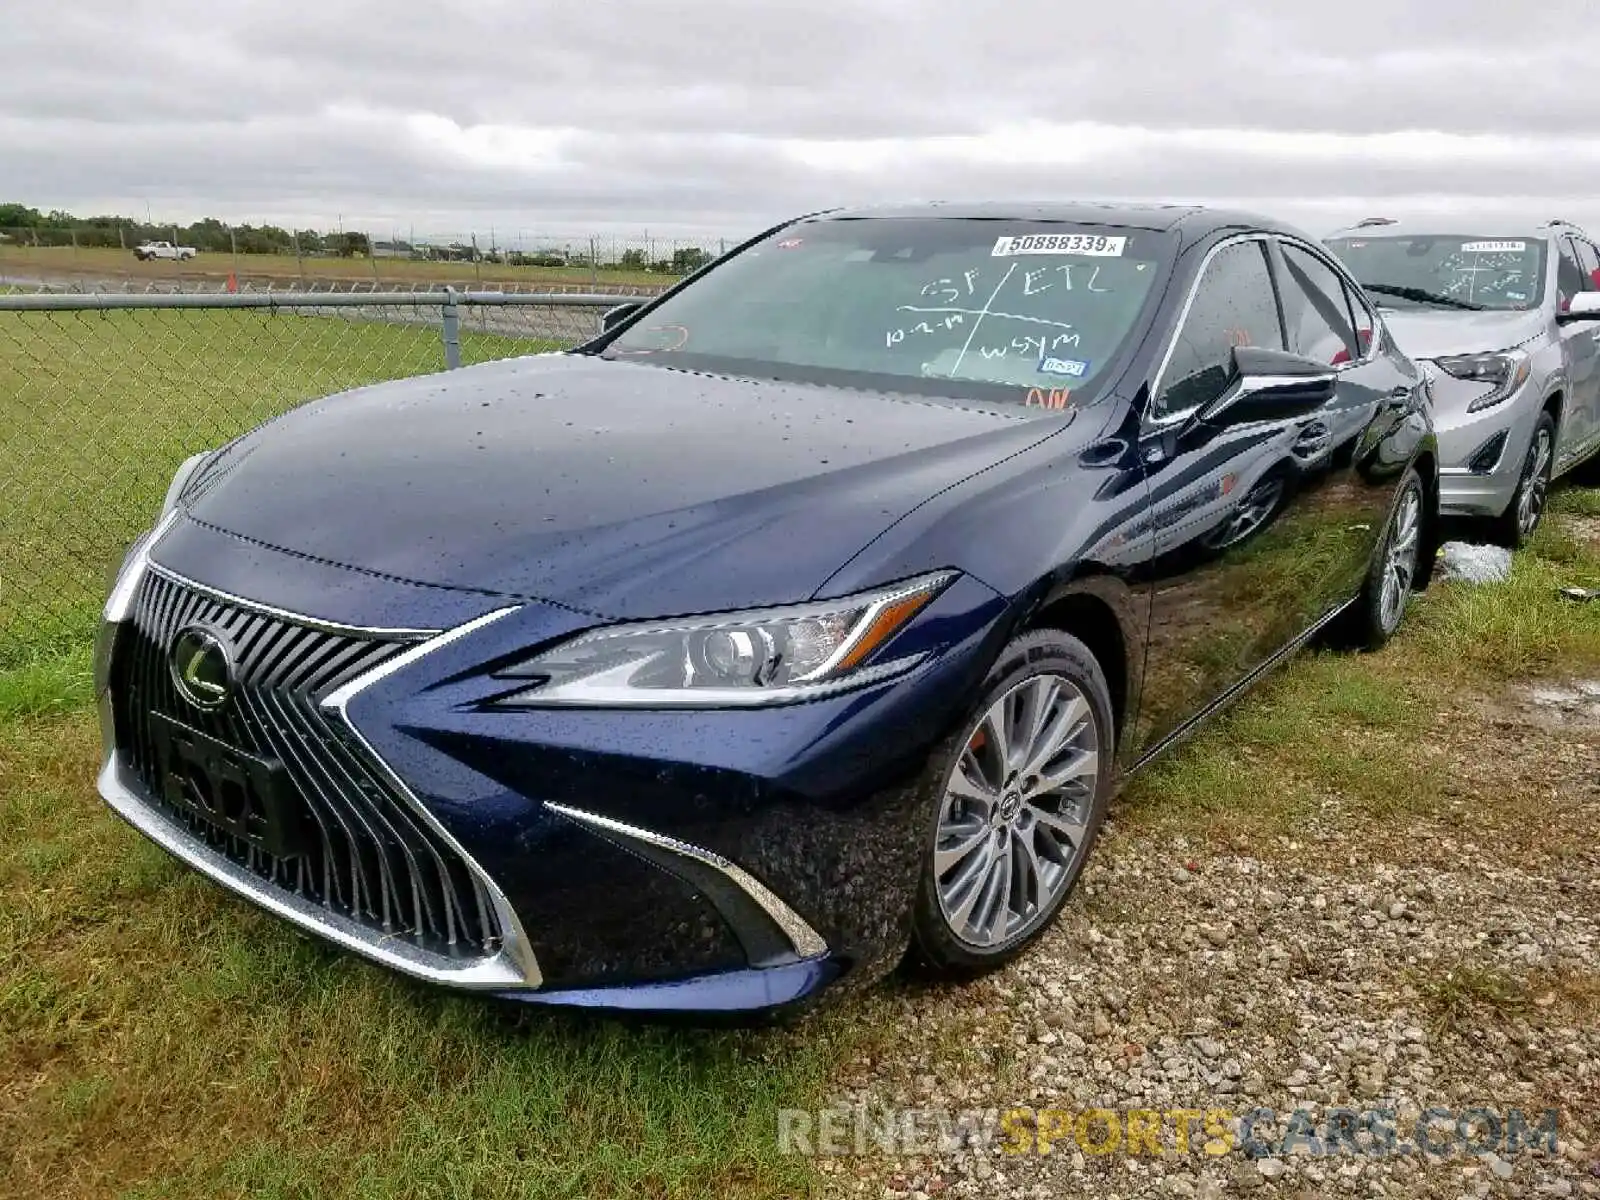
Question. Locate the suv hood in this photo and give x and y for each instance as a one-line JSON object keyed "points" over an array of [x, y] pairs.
{"points": [[1433, 334], [619, 489]]}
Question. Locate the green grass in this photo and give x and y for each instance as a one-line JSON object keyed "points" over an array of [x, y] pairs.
{"points": [[160, 1038], [1465, 991], [98, 409], [1335, 737], [1523, 625], [47, 683], [1577, 501]]}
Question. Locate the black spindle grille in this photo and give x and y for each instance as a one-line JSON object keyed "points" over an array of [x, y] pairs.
{"points": [[359, 848]]}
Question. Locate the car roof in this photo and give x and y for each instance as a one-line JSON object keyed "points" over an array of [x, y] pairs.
{"points": [[1192, 220], [1377, 227]]}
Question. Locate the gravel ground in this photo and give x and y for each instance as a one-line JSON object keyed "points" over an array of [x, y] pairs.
{"points": [[1453, 962]]}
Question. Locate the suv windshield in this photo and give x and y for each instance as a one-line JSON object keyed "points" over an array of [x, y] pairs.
{"points": [[1464, 271], [1027, 313]]}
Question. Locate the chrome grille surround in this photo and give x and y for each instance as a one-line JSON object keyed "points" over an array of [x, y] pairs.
{"points": [[382, 876]]}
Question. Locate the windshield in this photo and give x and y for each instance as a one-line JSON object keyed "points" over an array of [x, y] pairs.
{"points": [[1464, 271], [1027, 313]]}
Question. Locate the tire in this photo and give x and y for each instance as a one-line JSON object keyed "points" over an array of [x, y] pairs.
{"points": [[1520, 521], [962, 925], [1390, 580]]}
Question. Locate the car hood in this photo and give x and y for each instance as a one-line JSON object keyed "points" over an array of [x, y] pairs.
{"points": [[1432, 334], [616, 488]]}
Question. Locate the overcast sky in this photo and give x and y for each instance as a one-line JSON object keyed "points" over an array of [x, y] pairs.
{"points": [[719, 116]]}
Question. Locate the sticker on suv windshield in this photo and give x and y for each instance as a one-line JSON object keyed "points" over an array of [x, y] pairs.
{"points": [[1050, 365], [1059, 243], [1494, 247]]}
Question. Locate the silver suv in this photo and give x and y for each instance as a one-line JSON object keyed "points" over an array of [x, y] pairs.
{"points": [[1507, 325]]}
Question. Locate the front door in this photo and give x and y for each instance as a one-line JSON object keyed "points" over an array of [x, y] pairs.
{"points": [[1579, 270]]}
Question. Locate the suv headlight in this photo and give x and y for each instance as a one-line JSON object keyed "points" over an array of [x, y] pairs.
{"points": [[763, 657], [1505, 371]]}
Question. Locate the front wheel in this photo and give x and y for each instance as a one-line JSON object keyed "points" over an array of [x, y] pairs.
{"points": [[1518, 523], [1021, 795]]}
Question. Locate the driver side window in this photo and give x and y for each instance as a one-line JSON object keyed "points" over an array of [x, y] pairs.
{"points": [[1588, 264], [1234, 305], [1569, 275]]}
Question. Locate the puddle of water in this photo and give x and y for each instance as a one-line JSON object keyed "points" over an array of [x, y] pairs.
{"points": [[1575, 705]]}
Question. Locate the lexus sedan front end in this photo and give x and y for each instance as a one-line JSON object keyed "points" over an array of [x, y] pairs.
{"points": [[807, 615]]}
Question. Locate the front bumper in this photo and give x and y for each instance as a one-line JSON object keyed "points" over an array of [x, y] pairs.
{"points": [[659, 861], [1481, 454]]}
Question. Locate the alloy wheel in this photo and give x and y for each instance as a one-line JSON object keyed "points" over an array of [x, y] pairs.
{"points": [[1535, 483], [1016, 812], [1400, 564], [1253, 512]]}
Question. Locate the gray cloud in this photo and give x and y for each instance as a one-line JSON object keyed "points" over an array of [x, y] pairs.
{"points": [[719, 115]]}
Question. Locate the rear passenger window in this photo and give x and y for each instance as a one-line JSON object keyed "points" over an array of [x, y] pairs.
{"points": [[1233, 306], [1569, 275], [1366, 323], [1314, 305]]}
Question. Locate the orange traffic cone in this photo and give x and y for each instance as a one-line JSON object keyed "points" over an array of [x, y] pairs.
{"points": [[233, 282]]}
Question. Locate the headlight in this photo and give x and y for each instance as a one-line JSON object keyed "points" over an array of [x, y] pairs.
{"points": [[770, 656], [181, 479], [1504, 371], [125, 580]]}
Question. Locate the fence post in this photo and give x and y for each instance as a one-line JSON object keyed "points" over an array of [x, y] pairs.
{"points": [[452, 330]]}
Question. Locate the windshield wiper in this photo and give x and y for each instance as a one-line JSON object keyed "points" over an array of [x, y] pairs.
{"points": [[1421, 296]]}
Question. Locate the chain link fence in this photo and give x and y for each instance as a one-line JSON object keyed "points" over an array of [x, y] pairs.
{"points": [[210, 255], [103, 396]]}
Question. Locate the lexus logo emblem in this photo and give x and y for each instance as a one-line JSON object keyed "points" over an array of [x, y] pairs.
{"points": [[201, 668]]}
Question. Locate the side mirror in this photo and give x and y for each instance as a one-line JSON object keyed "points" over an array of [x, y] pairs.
{"points": [[615, 316], [1271, 385], [1585, 306]]}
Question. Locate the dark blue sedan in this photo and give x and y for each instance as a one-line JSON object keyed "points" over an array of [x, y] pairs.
{"points": [[808, 616]]}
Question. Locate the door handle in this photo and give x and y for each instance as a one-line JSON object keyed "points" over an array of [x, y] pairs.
{"points": [[1398, 397]]}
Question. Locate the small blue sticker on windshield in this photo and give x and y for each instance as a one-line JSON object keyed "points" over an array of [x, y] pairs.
{"points": [[1050, 365], [1516, 295]]}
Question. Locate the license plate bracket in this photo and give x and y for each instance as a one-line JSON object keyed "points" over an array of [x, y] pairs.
{"points": [[246, 797]]}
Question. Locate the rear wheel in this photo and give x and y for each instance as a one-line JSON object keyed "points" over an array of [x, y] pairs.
{"points": [[1393, 571], [1518, 523], [1020, 799]]}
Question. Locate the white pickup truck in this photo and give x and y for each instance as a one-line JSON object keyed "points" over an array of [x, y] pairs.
{"points": [[149, 250]]}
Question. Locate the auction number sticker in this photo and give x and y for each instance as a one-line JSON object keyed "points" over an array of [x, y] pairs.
{"points": [[1060, 243], [1494, 247], [1076, 368]]}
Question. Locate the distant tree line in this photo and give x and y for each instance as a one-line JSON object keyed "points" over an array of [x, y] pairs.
{"points": [[56, 228], [683, 261], [28, 226]]}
